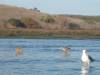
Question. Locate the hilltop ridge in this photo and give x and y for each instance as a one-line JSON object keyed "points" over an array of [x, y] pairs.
{"points": [[60, 21]]}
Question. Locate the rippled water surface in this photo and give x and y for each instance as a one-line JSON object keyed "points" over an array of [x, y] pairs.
{"points": [[45, 57]]}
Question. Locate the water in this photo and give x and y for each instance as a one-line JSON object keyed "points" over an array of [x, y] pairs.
{"points": [[45, 57]]}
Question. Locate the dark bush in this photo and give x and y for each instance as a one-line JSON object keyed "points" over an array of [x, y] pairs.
{"points": [[73, 26], [16, 22]]}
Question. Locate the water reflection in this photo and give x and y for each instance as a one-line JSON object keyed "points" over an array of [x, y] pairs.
{"points": [[85, 69], [66, 54]]}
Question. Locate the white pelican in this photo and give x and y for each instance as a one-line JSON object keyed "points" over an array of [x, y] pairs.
{"points": [[86, 59]]}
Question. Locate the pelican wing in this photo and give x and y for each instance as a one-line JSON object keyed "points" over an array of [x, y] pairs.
{"points": [[91, 59]]}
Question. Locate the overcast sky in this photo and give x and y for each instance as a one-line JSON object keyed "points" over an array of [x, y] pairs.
{"points": [[81, 7]]}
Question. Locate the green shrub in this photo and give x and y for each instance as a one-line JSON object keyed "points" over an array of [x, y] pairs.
{"points": [[16, 22], [30, 23], [91, 20], [47, 19], [27, 20]]}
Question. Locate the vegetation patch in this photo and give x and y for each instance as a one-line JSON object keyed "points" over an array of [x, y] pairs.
{"points": [[91, 20], [16, 22], [47, 19], [30, 23], [73, 26]]}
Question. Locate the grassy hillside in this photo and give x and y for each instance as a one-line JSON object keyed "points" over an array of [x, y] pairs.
{"points": [[45, 20], [15, 21]]}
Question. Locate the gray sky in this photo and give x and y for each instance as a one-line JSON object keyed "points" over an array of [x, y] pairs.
{"points": [[81, 7]]}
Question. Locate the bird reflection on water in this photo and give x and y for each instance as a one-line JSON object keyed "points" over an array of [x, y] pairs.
{"points": [[85, 69]]}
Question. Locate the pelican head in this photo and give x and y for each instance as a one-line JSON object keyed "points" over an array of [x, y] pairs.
{"points": [[84, 51]]}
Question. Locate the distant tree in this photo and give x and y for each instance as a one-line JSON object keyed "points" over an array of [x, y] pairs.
{"points": [[35, 9], [16, 22]]}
